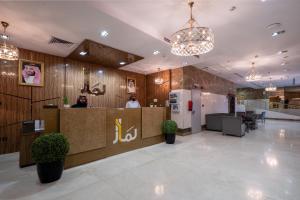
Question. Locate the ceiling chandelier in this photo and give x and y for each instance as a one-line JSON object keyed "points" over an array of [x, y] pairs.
{"points": [[271, 87], [158, 80], [7, 52], [252, 75], [192, 39]]}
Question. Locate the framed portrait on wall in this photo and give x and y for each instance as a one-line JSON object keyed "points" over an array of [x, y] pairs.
{"points": [[31, 73], [131, 85]]}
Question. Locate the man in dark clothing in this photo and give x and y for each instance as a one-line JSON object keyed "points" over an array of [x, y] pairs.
{"points": [[81, 102]]}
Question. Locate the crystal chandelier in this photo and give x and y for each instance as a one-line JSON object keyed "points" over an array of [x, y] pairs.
{"points": [[7, 52], [192, 39], [271, 87], [158, 80], [252, 75]]}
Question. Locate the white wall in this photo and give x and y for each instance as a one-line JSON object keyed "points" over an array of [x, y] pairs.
{"points": [[184, 117], [213, 103]]}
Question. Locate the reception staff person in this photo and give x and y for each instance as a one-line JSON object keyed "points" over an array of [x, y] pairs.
{"points": [[81, 102], [133, 103]]}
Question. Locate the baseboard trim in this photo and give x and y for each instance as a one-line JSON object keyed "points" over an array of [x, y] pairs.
{"points": [[296, 120], [184, 132]]}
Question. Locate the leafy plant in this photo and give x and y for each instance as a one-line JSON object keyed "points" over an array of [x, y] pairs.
{"points": [[50, 148], [65, 100], [169, 127]]}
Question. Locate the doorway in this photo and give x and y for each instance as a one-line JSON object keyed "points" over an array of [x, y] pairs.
{"points": [[196, 111]]}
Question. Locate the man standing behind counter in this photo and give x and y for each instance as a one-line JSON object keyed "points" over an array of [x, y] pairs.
{"points": [[133, 103], [81, 102]]}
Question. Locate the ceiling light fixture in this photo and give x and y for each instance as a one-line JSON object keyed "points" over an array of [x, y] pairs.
{"points": [[282, 52], [156, 52], [158, 80], [122, 63], [104, 33], [271, 87], [284, 63], [252, 75], [7, 52], [83, 53], [274, 34], [192, 40]]}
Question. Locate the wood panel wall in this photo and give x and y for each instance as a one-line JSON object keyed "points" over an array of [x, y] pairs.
{"points": [[20, 103], [208, 82], [159, 92], [115, 80]]}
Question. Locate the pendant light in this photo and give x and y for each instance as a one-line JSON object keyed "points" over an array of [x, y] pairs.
{"points": [[7, 51]]}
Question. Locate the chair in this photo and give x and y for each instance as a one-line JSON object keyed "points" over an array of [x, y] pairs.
{"points": [[233, 126], [262, 117], [250, 121]]}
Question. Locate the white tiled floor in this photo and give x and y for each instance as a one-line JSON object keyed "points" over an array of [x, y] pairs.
{"points": [[265, 164]]}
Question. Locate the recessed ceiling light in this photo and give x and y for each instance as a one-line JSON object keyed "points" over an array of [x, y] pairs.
{"points": [[122, 63], [284, 51], [284, 63], [156, 52], [274, 34], [83, 53], [4, 37], [233, 8], [104, 33], [100, 72]]}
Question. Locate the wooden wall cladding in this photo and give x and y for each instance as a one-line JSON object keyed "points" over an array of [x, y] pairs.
{"points": [[159, 92], [116, 94], [104, 55], [19, 103], [209, 82]]}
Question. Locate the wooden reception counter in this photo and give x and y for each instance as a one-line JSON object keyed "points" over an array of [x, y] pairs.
{"points": [[96, 133]]}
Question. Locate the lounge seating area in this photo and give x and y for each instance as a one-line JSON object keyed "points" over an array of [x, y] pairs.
{"points": [[234, 124]]}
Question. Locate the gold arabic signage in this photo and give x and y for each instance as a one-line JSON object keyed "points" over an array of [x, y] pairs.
{"points": [[131, 133]]}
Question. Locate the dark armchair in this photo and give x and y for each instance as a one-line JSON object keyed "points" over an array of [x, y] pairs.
{"points": [[233, 126]]}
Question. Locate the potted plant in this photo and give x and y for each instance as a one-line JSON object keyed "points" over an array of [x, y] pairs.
{"points": [[49, 152], [66, 102], [169, 129]]}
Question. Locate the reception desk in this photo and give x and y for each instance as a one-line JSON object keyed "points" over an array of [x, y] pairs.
{"points": [[96, 133]]}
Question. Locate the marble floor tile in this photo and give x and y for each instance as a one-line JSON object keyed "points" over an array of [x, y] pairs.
{"points": [[262, 165]]}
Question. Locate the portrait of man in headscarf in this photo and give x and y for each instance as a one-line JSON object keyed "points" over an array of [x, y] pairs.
{"points": [[31, 73]]}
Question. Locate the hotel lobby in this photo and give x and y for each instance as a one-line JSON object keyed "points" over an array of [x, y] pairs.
{"points": [[137, 99]]}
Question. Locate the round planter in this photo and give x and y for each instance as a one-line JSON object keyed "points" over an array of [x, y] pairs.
{"points": [[170, 138], [49, 172]]}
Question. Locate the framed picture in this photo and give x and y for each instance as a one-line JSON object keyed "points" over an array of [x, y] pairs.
{"points": [[131, 85], [31, 73]]}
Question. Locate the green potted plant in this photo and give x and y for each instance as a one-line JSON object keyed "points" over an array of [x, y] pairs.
{"points": [[169, 128], [66, 102], [49, 152]]}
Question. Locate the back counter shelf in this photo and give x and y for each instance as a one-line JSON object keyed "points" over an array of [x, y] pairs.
{"points": [[97, 133]]}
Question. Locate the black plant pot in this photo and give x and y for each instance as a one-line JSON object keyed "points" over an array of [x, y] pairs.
{"points": [[170, 138], [49, 172]]}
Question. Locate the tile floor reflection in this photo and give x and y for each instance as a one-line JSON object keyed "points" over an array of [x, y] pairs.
{"points": [[265, 164]]}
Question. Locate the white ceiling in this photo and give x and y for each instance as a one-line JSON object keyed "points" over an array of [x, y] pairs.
{"points": [[138, 26]]}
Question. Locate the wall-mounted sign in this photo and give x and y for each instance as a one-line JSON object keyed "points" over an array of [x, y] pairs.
{"points": [[31, 73], [131, 133], [95, 89]]}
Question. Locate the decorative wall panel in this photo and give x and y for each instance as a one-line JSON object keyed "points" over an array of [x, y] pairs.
{"points": [[19, 103], [159, 92]]}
